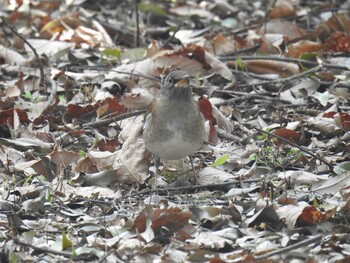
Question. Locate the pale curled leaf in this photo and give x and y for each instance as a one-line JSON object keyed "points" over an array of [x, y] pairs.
{"points": [[210, 175], [222, 121], [290, 213], [300, 177], [133, 158], [138, 98], [210, 240], [12, 57], [325, 125], [52, 49], [102, 160], [332, 185]]}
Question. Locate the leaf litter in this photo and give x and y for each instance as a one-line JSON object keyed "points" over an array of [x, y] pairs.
{"points": [[271, 184]]}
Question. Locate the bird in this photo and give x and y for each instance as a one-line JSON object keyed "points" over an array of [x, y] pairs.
{"points": [[174, 126]]}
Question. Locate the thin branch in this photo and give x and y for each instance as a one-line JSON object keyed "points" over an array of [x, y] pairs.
{"points": [[137, 34], [140, 75], [111, 119], [247, 96], [297, 146], [195, 187], [275, 81], [291, 247], [13, 30], [284, 59], [42, 249], [267, 13], [52, 96], [173, 35]]}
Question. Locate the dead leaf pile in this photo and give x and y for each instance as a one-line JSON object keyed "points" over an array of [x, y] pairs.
{"points": [[271, 184]]}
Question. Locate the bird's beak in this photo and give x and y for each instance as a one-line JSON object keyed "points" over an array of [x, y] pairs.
{"points": [[184, 82]]}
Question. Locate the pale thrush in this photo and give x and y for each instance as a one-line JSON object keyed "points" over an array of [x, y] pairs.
{"points": [[174, 126]]}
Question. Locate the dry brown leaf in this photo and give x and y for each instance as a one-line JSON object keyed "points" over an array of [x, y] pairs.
{"points": [[109, 106], [86, 165], [338, 42], [221, 45], [283, 69], [138, 98], [171, 218], [54, 164], [305, 46], [288, 28], [8, 117], [311, 216], [106, 144], [342, 119], [282, 8], [337, 22], [287, 134], [77, 113]]}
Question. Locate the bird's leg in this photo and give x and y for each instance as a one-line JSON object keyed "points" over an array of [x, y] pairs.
{"points": [[156, 160], [194, 170]]}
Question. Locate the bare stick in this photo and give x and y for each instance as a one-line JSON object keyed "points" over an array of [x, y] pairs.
{"points": [[137, 34], [111, 119], [43, 249], [13, 30], [297, 146], [173, 35], [291, 247], [285, 59]]}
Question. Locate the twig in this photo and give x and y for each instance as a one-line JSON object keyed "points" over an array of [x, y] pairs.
{"points": [[52, 95], [137, 36], [291, 247], [136, 74], [284, 59], [194, 187], [42, 249], [173, 35], [13, 30], [83, 257], [275, 81], [267, 14], [111, 119], [103, 259], [297, 146], [249, 96]]}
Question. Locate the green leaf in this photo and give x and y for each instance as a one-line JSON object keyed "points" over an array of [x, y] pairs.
{"points": [[240, 63], [28, 179], [66, 243], [48, 196], [253, 157], [82, 153], [13, 257], [309, 56], [27, 95], [112, 52], [153, 8], [62, 98], [133, 54], [219, 161]]}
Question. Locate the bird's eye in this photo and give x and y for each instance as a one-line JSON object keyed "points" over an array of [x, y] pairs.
{"points": [[171, 81]]}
